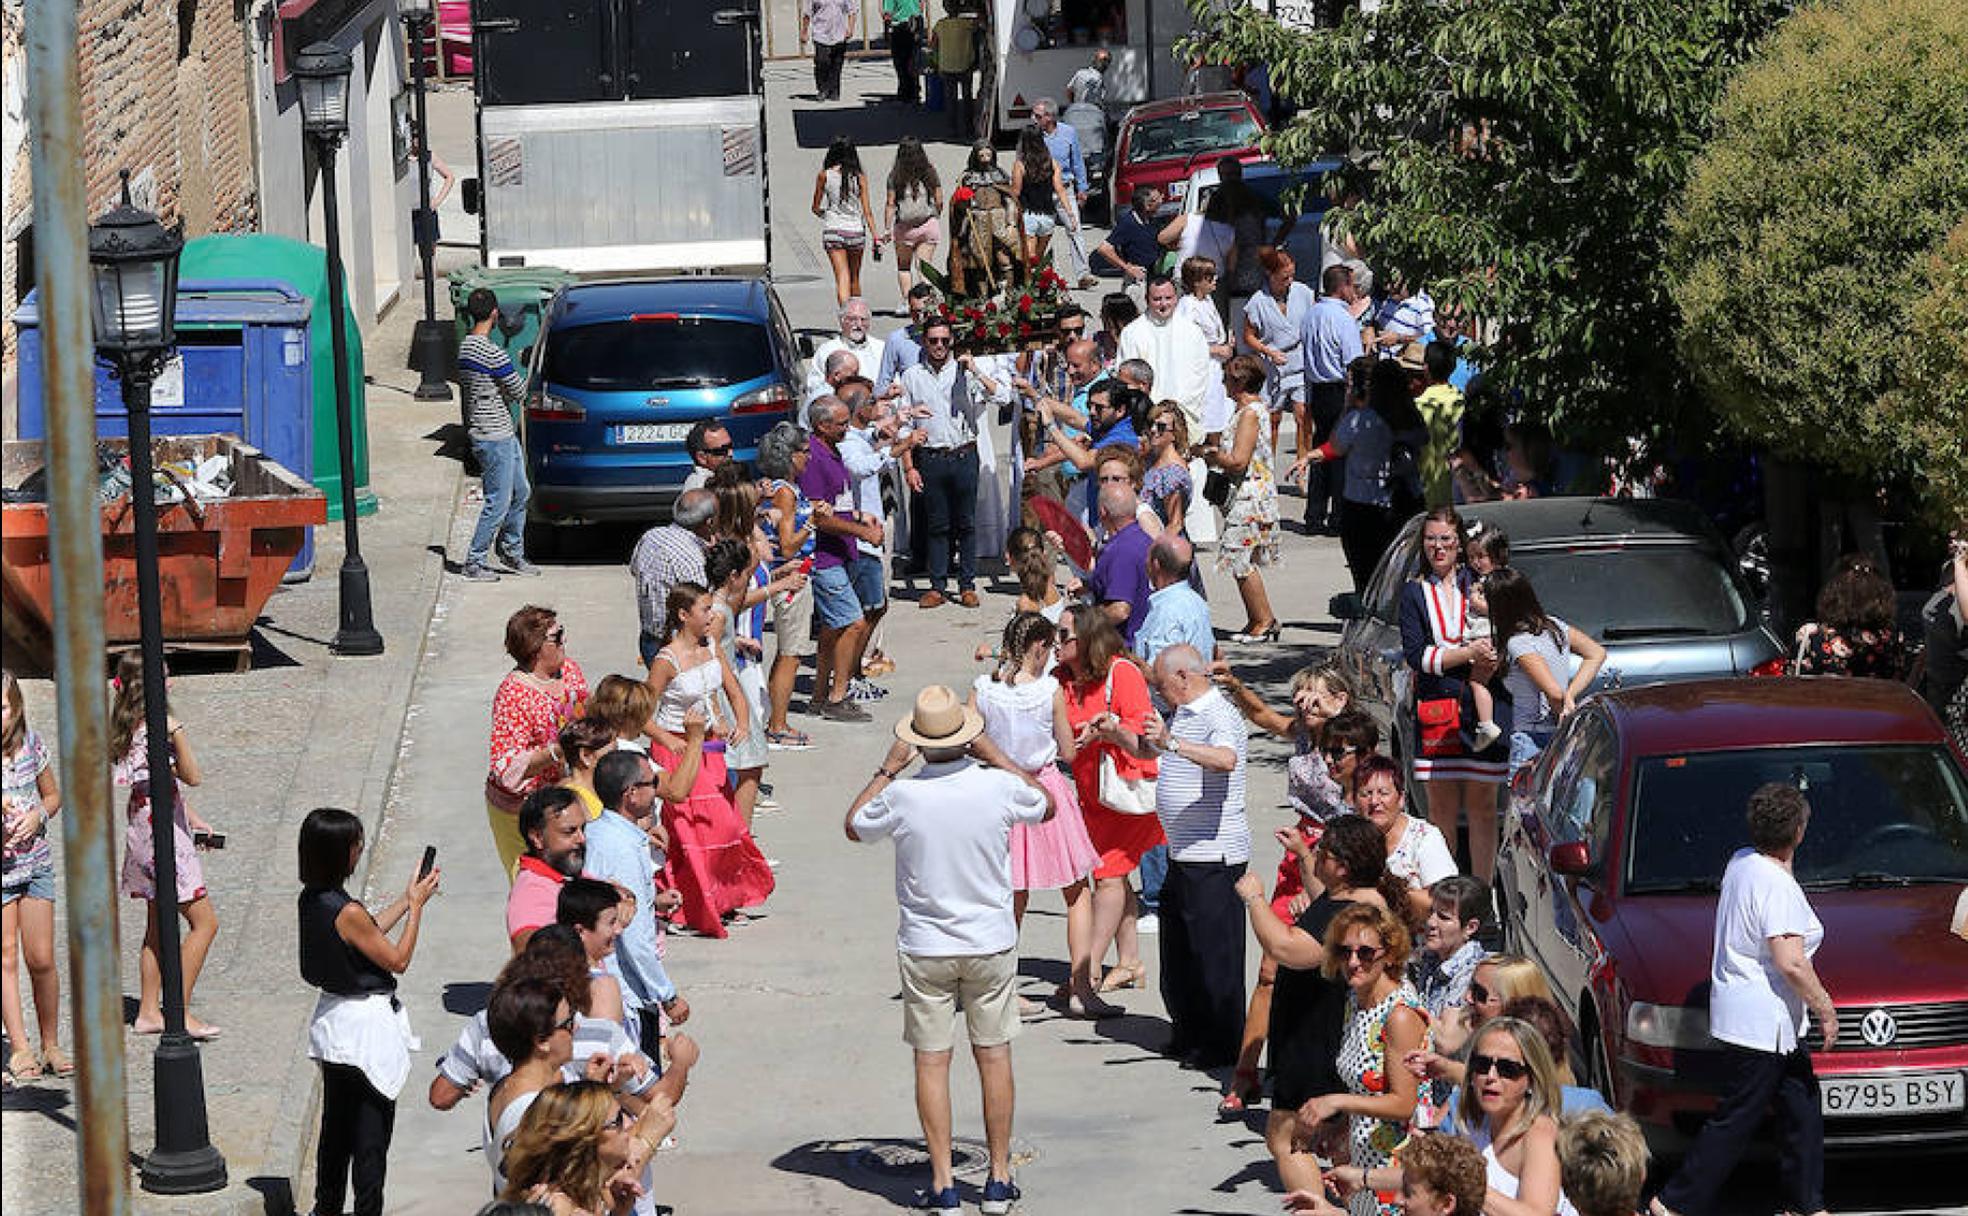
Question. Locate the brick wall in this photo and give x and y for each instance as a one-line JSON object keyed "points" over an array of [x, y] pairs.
{"points": [[165, 95]]}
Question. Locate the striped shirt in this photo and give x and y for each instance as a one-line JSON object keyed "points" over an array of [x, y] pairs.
{"points": [[491, 385], [1203, 812]]}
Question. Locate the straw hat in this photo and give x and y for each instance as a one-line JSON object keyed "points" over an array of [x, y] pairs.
{"points": [[940, 720]]}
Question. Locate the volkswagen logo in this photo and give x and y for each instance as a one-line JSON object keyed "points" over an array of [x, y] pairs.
{"points": [[1878, 1028]]}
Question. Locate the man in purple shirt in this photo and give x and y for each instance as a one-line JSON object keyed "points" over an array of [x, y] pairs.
{"points": [[1120, 573], [843, 618]]}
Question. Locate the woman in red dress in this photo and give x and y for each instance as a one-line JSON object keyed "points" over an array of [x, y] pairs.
{"points": [[1098, 677]]}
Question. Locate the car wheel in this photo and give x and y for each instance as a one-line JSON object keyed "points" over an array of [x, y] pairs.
{"points": [[542, 540], [1598, 1067]]}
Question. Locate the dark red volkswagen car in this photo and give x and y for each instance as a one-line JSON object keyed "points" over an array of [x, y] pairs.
{"points": [[1612, 857]]}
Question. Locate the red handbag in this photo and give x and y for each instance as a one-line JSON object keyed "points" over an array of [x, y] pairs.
{"points": [[1441, 726]]}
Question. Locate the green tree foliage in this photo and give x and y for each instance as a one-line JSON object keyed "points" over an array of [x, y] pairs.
{"points": [[1822, 303], [1520, 157], [1931, 409]]}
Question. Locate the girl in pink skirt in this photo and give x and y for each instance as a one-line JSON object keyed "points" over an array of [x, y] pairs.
{"points": [[1024, 714]]}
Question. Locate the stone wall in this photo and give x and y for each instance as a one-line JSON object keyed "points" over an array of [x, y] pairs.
{"points": [[165, 95]]}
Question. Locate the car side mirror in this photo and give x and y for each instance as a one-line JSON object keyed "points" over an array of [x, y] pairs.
{"points": [[1573, 858], [468, 195], [1346, 606]]}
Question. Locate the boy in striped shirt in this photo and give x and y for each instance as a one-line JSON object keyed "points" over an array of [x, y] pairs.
{"points": [[492, 386]]}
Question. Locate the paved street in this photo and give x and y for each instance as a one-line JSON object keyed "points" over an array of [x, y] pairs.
{"points": [[803, 1100]]}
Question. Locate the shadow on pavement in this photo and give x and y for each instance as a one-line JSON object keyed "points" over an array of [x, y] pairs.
{"points": [[466, 999], [880, 123], [891, 1168], [276, 1194]]}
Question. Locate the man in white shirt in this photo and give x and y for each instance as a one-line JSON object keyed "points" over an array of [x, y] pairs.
{"points": [[869, 450], [855, 318], [942, 472], [1174, 347], [958, 939], [1199, 796]]}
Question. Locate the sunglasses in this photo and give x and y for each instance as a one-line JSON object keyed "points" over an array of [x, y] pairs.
{"points": [[1478, 993], [1072, 331], [566, 1023], [1161, 428], [936, 341], [558, 635], [1336, 754], [643, 785], [1509, 1070], [718, 451], [1364, 955]]}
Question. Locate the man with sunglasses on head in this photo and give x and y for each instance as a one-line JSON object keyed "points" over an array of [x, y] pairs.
{"points": [[942, 472], [709, 447]]}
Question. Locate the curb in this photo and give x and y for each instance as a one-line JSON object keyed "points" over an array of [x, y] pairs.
{"points": [[301, 1094]]}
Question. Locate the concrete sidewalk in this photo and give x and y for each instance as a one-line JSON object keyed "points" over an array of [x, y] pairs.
{"points": [[301, 729]]}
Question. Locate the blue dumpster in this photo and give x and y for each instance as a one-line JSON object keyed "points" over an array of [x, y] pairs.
{"points": [[242, 368]]}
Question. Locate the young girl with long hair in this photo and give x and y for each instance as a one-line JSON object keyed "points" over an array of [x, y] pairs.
{"points": [[1042, 199], [32, 796], [129, 741], [713, 861], [911, 213], [840, 199], [1024, 713]]}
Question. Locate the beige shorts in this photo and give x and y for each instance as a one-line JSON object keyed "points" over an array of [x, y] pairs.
{"points": [[986, 985], [792, 624]]}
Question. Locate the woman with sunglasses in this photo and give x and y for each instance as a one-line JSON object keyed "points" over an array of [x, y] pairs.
{"points": [[1166, 486], [1306, 1007], [1250, 515], [1367, 946], [1444, 655], [1509, 1109], [543, 692], [578, 1153]]}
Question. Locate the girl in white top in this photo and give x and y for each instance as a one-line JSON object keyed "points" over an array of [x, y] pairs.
{"points": [[1536, 649], [840, 199], [1510, 1104], [688, 672], [1024, 712]]}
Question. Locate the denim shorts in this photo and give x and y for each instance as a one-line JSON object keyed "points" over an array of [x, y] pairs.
{"points": [[39, 885], [1037, 224], [834, 601], [870, 577]]}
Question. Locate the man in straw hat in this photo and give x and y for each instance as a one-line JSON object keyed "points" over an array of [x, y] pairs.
{"points": [[951, 824]]}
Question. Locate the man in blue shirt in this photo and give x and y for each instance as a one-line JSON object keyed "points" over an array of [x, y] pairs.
{"points": [[1132, 248], [1064, 144], [618, 852], [1331, 341], [902, 349], [1177, 616]]}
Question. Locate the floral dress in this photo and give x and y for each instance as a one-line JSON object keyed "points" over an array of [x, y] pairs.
{"points": [[23, 772], [1250, 522], [1363, 1065], [132, 772], [1162, 480], [1825, 651]]}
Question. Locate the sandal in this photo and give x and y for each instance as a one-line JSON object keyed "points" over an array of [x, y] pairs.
{"points": [[1127, 975], [788, 740], [1245, 1092], [56, 1061], [23, 1065]]}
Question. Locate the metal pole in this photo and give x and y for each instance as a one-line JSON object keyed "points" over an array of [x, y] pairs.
{"points": [[357, 634], [185, 1161], [89, 837], [430, 344]]}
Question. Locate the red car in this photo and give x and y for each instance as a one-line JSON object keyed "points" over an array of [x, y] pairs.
{"points": [[1163, 142], [1612, 857]]}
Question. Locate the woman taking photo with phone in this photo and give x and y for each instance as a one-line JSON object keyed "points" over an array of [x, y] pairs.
{"points": [[359, 1032]]}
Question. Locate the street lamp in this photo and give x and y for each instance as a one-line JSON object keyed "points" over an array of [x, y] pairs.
{"points": [[323, 72], [133, 261], [430, 344]]}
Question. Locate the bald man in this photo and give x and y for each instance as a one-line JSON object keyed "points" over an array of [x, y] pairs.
{"points": [[1177, 615], [1199, 796]]}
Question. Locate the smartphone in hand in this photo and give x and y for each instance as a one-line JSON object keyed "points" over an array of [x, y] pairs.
{"points": [[208, 840], [429, 863]]}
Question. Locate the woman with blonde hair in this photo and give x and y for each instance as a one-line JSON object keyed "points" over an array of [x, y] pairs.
{"points": [[624, 705], [578, 1154], [1166, 486]]}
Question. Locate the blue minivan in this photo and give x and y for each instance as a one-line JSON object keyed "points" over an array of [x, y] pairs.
{"points": [[623, 369]]}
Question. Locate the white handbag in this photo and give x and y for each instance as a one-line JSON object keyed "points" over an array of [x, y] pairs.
{"points": [[1123, 795]]}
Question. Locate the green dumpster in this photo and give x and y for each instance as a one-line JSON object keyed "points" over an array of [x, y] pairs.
{"points": [[258, 255], [523, 293]]}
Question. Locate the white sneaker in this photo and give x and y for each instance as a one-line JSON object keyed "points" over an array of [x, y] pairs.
{"points": [[1485, 734], [1149, 923]]}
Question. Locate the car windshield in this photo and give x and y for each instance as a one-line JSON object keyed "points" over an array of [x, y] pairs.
{"points": [[690, 352], [1880, 816], [1194, 132], [1638, 591]]}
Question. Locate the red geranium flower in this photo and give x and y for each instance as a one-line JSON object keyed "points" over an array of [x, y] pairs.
{"points": [[1004, 329], [1025, 302], [1372, 1081], [1024, 329]]}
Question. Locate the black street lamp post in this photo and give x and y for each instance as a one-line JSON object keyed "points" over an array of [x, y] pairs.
{"points": [[430, 344], [323, 72], [133, 260]]}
